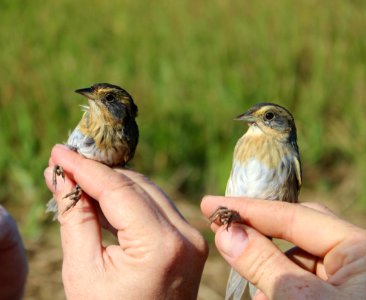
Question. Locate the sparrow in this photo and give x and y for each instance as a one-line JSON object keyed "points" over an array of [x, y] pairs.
{"points": [[266, 165], [107, 132]]}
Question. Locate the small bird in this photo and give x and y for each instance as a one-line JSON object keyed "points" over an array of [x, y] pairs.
{"points": [[107, 132], [266, 165]]}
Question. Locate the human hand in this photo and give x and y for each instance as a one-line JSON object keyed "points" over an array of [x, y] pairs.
{"points": [[158, 254], [13, 260], [328, 263]]}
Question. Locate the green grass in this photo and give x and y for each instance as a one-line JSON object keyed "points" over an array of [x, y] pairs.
{"points": [[192, 66]]}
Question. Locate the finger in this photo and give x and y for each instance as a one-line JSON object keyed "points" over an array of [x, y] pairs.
{"points": [[214, 227], [345, 274], [292, 222], [344, 260], [259, 295], [79, 221], [13, 260], [155, 193], [166, 205], [307, 261], [51, 162], [303, 259], [123, 202], [258, 260], [314, 205], [103, 220], [319, 207]]}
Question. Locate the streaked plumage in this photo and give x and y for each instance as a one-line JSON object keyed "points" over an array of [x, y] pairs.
{"points": [[107, 131], [266, 165]]}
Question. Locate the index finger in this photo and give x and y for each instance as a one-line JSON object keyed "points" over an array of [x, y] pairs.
{"points": [[122, 201], [313, 231]]}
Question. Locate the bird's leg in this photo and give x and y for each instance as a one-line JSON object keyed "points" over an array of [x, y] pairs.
{"points": [[74, 196], [226, 216], [57, 171]]}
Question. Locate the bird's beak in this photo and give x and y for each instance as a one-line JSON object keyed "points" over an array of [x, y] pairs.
{"points": [[246, 117], [87, 92]]}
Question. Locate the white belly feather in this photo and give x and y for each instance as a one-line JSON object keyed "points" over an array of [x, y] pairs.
{"points": [[255, 179]]}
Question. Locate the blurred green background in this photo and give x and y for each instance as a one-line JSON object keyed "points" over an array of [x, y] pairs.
{"points": [[191, 66]]}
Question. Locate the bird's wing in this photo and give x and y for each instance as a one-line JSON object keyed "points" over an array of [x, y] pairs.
{"points": [[297, 165], [77, 139]]}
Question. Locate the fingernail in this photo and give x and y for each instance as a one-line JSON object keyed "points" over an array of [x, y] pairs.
{"points": [[233, 241]]}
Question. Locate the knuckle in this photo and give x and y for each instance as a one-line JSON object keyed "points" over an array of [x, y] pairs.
{"points": [[177, 250], [290, 212], [116, 184], [198, 246], [172, 249], [318, 206], [201, 246]]}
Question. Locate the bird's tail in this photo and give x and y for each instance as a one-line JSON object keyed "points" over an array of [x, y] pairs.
{"points": [[235, 286], [52, 208]]}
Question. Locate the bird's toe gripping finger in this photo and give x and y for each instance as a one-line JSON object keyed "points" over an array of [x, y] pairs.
{"points": [[216, 213], [57, 171], [226, 216], [72, 148], [74, 196]]}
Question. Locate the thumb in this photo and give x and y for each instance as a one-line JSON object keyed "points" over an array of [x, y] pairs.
{"points": [[80, 221], [258, 260]]}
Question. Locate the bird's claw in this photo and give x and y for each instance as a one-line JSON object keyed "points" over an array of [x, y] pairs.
{"points": [[72, 148], [74, 196], [57, 171], [225, 216]]}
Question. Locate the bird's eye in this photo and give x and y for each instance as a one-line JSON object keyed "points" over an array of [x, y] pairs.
{"points": [[109, 97], [269, 115]]}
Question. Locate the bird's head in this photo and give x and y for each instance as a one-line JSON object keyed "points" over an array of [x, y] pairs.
{"points": [[270, 119], [110, 101]]}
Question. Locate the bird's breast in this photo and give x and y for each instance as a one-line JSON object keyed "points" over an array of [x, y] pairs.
{"points": [[103, 145], [263, 168]]}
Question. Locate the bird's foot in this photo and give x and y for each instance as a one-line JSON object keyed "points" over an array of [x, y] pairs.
{"points": [[74, 196], [57, 171], [225, 216], [72, 148]]}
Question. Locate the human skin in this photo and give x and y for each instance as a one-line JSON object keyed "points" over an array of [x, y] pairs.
{"points": [[158, 254], [329, 261], [13, 260]]}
